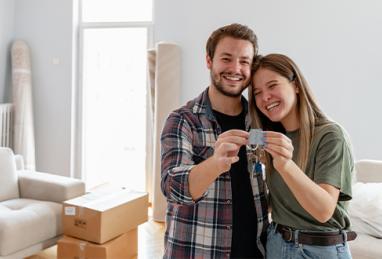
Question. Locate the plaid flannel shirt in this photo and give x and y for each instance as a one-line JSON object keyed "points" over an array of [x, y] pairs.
{"points": [[202, 228]]}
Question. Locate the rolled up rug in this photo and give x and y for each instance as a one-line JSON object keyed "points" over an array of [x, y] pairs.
{"points": [[23, 137]]}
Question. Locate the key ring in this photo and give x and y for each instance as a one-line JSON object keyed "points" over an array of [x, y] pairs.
{"points": [[251, 151], [252, 148]]}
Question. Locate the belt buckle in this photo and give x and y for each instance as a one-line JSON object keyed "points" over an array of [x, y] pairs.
{"points": [[290, 231]]}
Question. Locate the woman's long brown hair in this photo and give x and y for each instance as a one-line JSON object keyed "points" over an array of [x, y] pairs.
{"points": [[308, 110]]}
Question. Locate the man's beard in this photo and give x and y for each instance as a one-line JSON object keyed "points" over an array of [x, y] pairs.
{"points": [[220, 87]]}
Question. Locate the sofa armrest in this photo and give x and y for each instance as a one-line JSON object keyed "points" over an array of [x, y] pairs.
{"points": [[369, 171], [48, 187]]}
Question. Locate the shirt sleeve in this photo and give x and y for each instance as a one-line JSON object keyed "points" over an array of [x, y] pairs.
{"points": [[334, 163], [176, 160]]}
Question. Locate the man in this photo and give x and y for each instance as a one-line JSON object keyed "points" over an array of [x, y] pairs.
{"points": [[216, 209]]}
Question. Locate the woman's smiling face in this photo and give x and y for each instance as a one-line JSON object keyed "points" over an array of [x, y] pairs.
{"points": [[276, 97]]}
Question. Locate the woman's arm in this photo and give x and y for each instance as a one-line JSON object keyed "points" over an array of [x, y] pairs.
{"points": [[319, 200]]}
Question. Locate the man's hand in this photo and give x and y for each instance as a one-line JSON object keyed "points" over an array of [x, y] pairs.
{"points": [[225, 154], [227, 147]]}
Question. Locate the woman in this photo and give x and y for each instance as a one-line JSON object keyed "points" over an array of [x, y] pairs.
{"points": [[308, 163]]}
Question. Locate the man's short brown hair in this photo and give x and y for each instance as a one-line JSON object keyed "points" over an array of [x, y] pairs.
{"points": [[235, 30]]}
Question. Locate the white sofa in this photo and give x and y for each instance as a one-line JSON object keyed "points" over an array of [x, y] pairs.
{"points": [[366, 210], [30, 207]]}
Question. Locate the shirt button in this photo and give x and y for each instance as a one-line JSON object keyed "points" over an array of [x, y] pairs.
{"points": [[228, 201]]}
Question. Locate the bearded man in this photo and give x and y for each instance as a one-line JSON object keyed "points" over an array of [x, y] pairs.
{"points": [[216, 209]]}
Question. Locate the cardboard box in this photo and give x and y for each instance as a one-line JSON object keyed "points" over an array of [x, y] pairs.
{"points": [[124, 246], [103, 215]]}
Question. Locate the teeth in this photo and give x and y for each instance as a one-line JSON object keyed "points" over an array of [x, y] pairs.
{"points": [[272, 105], [233, 78]]}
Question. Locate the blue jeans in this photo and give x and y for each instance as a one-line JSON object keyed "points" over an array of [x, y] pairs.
{"points": [[278, 248]]}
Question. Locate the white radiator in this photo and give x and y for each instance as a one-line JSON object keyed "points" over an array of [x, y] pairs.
{"points": [[6, 122]]}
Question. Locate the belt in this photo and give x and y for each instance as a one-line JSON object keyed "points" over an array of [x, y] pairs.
{"points": [[316, 238]]}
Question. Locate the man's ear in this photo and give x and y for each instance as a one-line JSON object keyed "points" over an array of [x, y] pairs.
{"points": [[208, 61]]}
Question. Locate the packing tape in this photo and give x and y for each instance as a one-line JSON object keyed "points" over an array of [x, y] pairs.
{"points": [[82, 247]]}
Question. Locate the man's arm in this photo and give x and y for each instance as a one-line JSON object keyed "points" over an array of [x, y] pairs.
{"points": [[225, 154], [182, 181], [176, 159]]}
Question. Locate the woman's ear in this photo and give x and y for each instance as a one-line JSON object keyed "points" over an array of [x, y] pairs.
{"points": [[297, 89]]}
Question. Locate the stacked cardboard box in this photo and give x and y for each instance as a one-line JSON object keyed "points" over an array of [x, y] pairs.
{"points": [[124, 246], [102, 224]]}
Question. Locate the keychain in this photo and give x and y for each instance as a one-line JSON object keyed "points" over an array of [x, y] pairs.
{"points": [[255, 154], [255, 150]]}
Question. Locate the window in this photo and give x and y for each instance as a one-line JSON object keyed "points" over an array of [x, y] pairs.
{"points": [[114, 37]]}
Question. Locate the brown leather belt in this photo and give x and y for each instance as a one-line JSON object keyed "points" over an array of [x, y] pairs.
{"points": [[315, 238]]}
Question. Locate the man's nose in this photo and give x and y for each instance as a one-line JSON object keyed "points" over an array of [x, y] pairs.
{"points": [[235, 66]]}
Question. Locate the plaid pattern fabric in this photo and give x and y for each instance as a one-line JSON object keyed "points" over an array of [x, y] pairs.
{"points": [[202, 228]]}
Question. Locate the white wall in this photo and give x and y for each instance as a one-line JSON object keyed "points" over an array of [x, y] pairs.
{"points": [[7, 12], [46, 25], [337, 44]]}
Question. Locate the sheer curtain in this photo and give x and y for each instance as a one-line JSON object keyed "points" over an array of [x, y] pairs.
{"points": [[164, 73]]}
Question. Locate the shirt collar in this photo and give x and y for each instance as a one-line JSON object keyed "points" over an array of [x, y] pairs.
{"points": [[202, 105]]}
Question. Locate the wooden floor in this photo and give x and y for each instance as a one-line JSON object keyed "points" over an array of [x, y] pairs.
{"points": [[150, 243]]}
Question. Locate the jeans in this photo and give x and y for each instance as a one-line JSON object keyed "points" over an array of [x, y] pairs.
{"points": [[278, 248]]}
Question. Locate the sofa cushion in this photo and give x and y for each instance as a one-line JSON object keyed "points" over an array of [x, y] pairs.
{"points": [[365, 209], [366, 247], [25, 222], [8, 177]]}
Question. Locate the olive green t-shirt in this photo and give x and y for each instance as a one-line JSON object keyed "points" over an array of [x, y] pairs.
{"points": [[331, 162]]}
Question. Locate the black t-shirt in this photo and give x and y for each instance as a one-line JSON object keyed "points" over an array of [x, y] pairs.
{"points": [[244, 226]]}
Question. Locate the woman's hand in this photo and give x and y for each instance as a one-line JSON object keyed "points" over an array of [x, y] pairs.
{"points": [[281, 149]]}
